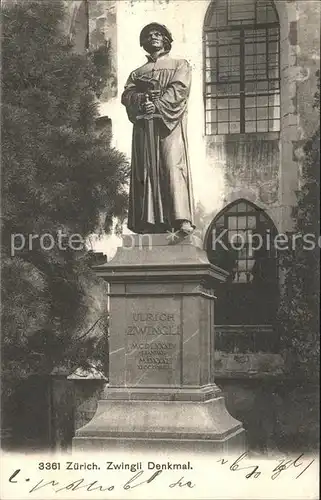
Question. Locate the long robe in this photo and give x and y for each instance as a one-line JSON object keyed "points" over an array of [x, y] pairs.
{"points": [[160, 189]]}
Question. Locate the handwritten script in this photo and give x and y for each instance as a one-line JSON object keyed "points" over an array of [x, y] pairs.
{"points": [[78, 484], [253, 471]]}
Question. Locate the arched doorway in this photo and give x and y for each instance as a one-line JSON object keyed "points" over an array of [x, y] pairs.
{"points": [[240, 240]]}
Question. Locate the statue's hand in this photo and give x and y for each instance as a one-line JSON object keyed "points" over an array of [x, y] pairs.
{"points": [[154, 94], [149, 107]]}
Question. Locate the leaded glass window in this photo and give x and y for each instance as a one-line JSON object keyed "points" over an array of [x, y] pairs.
{"points": [[241, 71], [241, 242]]}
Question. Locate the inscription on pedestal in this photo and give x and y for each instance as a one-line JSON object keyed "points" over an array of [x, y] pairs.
{"points": [[153, 342]]}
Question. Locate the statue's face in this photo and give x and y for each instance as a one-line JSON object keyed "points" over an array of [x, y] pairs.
{"points": [[153, 41]]}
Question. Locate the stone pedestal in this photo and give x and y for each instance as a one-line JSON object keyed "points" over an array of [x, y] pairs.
{"points": [[161, 389]]}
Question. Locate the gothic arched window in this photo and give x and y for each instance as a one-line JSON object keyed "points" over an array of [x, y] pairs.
{"points": [[241, 67], [240, 240]]}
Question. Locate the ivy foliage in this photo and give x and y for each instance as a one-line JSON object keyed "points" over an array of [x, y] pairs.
{"points": [[299, 310]]}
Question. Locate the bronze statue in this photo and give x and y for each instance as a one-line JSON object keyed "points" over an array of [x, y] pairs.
{"points": [[155, 97]]}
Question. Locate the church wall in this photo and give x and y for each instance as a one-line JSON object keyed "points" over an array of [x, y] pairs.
{"points": [[300, 59], [103, 32], [262, 168]]}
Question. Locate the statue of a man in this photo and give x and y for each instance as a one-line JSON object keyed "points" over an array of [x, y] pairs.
{"points": [[156, 96]]}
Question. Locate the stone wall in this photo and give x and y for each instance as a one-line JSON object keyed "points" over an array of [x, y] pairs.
{"points": [[93, 25], [62, 412], [85, 397], [247, 339], [300, 59], [251, 164], [103, 33], [278, 414]]}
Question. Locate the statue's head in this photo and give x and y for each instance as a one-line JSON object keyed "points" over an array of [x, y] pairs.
{"points": [[155, 37]]}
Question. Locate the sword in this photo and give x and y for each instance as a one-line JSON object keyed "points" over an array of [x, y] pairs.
{"points": [[152, 154]]}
